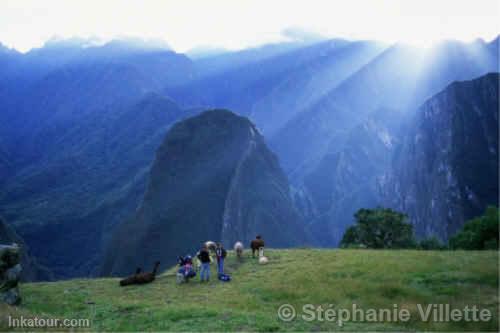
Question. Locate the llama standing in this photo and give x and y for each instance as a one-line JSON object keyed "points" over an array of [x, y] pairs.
{"points": [[238, 248], [211, 246], [256, 245]]}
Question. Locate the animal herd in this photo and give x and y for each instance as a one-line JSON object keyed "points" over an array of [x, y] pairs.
{"points": [[257, 245]]}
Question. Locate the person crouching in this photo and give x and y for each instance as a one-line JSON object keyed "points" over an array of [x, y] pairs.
{"points": [[204, 257], [186, 270]]}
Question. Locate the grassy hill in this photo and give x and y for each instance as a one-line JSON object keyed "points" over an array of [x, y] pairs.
{"points": [[370, 279]]}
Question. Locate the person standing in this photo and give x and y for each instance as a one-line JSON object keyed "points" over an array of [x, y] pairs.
{"points": [[220, 253], [204, 257]]}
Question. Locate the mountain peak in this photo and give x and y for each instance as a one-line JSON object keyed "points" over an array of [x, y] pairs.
{"points": [[213, 179]]}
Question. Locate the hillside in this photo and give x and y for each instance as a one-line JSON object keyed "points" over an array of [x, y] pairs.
{"points": [[297, 277], [78, 130], [213, 178], [446, 170], [89, 182], [351, 166], [273, 90]]}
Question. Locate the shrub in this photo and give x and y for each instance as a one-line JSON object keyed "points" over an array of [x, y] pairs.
{"points": [[480, 233], [431, 243], [379, 228]]}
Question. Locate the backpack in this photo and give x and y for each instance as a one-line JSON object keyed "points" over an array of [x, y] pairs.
{"points": [[224, 277]]}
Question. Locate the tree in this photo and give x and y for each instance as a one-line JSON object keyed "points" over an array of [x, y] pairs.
{"points": [[380, 228], [480, 233], [350, 237]]}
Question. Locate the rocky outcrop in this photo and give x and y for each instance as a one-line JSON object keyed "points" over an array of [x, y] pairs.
{"points": [[32, 270], [10, 274], [446, 170], [213, 178]]}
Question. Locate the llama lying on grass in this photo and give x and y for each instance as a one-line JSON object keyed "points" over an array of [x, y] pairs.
{"points": [[140, 278]]}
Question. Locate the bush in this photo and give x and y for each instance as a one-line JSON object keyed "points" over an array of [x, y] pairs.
{"points": [[379, 228], [431, 243], [480, 233]]}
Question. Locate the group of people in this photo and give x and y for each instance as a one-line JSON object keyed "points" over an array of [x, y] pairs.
{"points": [[187, 271], [204, 258]]}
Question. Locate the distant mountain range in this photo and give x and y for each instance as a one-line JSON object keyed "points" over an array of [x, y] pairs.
{"points": [[78, 140], [80, 123], [328, 142]]}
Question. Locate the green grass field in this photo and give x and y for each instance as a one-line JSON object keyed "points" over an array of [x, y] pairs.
{"points": [[368, 278]]}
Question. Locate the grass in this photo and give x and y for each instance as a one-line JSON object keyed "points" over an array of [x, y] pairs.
{"points": [[368, 278]]}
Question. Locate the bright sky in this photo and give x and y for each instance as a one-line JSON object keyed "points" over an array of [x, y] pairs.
{"points": [[234, 24]]}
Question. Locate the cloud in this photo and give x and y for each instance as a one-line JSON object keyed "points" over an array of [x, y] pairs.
{"points": [[236, 24]]}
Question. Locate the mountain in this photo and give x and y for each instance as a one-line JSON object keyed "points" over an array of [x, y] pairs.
{"points": [[348, 178], [446, 170], [79, 124], [5, 165], [32, 271], [213, 179], [91, 80], [400, 78], [205, 51], [274, 89], [91, 179], [228, 60], [333, 159]]}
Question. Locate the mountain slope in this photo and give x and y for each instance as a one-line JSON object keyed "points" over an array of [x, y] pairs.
{"points": [[92, 180], [333, 161], [274, 89], [213, 179], [79, 125], [348, 177], [54, 87], [446, 171], [400, 78]]}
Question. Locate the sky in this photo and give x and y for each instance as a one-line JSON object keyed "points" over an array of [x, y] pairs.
{"points": [[236, 24]]}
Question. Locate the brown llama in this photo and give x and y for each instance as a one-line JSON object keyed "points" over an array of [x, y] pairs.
{"points": [[141, 278], [256, 244]]}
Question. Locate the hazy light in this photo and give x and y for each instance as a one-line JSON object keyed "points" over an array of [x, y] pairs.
{"points": [[234, 24]]}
